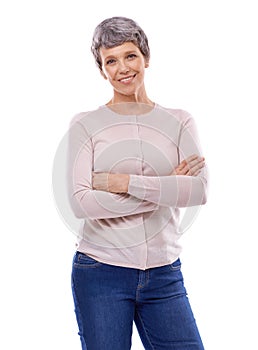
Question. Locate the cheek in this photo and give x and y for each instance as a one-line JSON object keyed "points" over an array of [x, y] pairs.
{"points": [[139, 66], [110, 73]]}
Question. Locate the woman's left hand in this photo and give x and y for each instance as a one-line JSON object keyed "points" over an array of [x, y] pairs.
{"points": [[115, 183]]}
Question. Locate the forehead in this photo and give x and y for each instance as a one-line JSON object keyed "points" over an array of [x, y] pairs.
{"points": [[118, 50]]}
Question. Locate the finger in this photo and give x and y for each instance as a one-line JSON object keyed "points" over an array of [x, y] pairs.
{"points": [[187, 160], [187, 164], [191, 158], [196, 167], [186, 168], [193, 171], [196, 162], [181, 166]]}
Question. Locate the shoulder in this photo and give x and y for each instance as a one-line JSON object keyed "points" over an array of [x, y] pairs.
{"points": [[183, 117], [180, 114], [87, 120], [101, 114], [93, 121], [79, 117]]}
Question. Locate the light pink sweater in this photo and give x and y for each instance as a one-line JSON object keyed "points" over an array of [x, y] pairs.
{"points": [[138, 229]]}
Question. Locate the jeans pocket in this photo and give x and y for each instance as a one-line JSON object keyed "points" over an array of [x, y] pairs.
{"points": [[82, 260], [176, 265]]}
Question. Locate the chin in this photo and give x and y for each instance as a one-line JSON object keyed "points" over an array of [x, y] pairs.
{"points": [[126, 93]]}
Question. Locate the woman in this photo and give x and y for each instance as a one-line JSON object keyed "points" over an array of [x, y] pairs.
{"points": [[132, 164]]}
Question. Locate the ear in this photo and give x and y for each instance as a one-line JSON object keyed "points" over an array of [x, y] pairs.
{"points": [[147, 63]]}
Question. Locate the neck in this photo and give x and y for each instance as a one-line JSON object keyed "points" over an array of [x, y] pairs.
{"points": [[139, 97], [127, 105]]}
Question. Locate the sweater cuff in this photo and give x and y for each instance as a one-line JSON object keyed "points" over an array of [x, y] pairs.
{"points": [[145, 187], [136, 187]]}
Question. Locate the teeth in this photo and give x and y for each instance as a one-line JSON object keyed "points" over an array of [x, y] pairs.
{"points": [[126, 79]]}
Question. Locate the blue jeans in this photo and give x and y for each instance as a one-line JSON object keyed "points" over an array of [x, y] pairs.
{"points": [[109, 298]]}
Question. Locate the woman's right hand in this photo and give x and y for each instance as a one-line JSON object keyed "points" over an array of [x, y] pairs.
{"points": [[190, 166]]}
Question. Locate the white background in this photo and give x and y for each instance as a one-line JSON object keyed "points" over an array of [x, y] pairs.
{"points": [[203, 59]]}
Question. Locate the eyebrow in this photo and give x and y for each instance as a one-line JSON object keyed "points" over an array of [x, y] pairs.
{"points": [[126, 53]]}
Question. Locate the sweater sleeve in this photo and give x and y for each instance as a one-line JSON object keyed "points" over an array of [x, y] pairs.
{"points": [[86, 202], [175, 190]]}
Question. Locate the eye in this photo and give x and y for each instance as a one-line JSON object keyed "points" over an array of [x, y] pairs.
{"points": [[110, 61], [131, 56]]}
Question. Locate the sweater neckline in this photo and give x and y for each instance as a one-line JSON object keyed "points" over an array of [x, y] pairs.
{"points": [[107, 108]]}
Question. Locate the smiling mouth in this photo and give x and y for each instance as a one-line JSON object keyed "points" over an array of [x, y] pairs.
{"points": [[127, 80]]}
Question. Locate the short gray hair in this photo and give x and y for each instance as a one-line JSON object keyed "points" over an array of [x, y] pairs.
{"points": [[116, 31]]}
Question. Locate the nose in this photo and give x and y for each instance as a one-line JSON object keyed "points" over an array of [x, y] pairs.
{"points": [[123, 68]]}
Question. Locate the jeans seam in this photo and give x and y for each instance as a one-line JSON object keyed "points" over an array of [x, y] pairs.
{"points": [[79, 317], [84, 261], [175, 268], [140, 286], [145, 330], [86, 266]]}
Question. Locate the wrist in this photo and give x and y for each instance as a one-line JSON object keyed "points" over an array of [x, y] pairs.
{"points": [[126, 182], [118, 183]]}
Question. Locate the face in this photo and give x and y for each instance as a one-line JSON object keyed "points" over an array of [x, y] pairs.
{"points": [[124, 67]]}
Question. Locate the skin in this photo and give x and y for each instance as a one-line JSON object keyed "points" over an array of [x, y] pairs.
{"points": [[125, 61], [124, 67]]}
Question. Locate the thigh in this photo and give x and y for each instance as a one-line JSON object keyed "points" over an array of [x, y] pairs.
{"points": [[103, 306], [163, 317]]}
